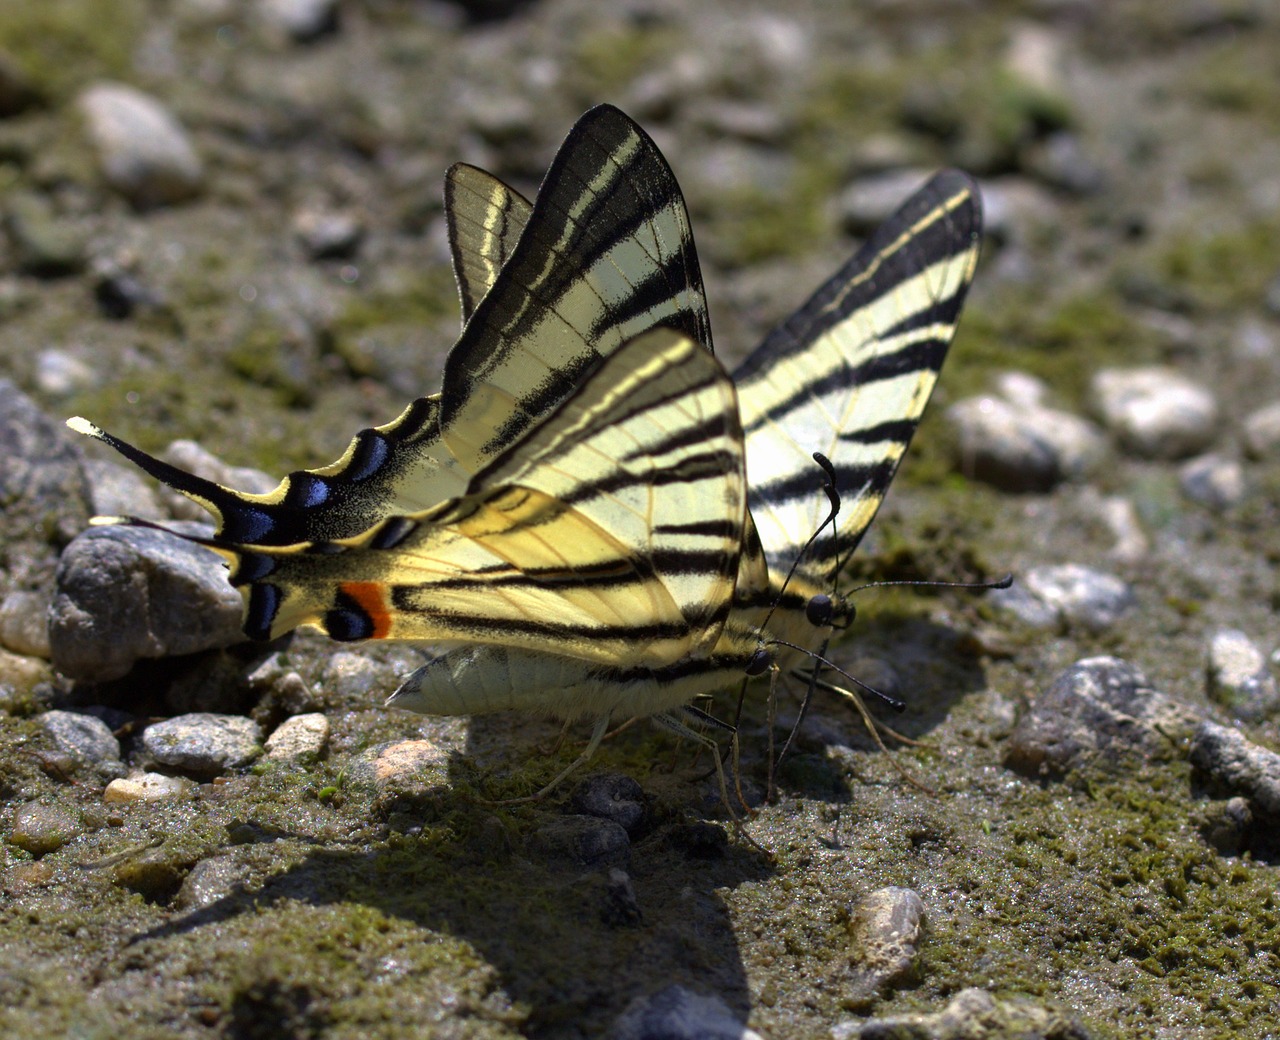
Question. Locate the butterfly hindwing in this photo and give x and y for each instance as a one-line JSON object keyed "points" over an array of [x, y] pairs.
{"points": [[610, 531]]}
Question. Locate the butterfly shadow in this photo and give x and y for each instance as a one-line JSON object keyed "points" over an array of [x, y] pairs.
{"points": [[570, 929], [833, 742]]}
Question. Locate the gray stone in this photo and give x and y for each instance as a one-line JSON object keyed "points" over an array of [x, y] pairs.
{"points": [[203, 744], [404, 777], [302, 738], [143, 151], [85, 738], [117, 490], [195, 459], [621, 907], [21, 679], [126, 593], [42, 487], [326, 235], [676, 1013], [59, 373], [300, 20], [40, 828], [1062, 595], [1213, 481], [24, 623], [1021, 446], [1156, 412], [972, 1014], [583, 841], [1100, 712], [1262, 431], [1235, 765], [865, 204], [611, 796], [211, 881], [886, 930], [147, 787], [1238, 677]]}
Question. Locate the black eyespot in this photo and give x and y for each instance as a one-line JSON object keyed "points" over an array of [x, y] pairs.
{"points": [[820, 610], [760, 662]]}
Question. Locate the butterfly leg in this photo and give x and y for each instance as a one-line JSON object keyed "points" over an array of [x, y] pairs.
{"points": [[677, 725], [597, 734]]}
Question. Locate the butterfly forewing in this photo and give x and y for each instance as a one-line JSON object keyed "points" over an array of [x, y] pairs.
{"points": [[606, 255], [485, 219], [850, 373]]}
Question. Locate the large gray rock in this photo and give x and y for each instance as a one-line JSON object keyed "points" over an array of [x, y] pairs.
{"points": [[125, 593]]}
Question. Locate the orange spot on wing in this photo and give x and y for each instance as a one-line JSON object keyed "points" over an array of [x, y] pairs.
{"points": [[371, 597]]}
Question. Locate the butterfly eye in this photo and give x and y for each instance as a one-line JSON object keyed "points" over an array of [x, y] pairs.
{"points": [[760, 662], [820, 610]]}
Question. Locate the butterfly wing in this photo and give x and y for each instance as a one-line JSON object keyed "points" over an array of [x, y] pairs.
{"points": [[849, 375], [611, 531], [485, 219]]}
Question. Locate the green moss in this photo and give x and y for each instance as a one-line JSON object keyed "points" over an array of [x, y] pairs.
{"points": [[1063, 342], [604, 61], [1221, 270], [61, 45]]}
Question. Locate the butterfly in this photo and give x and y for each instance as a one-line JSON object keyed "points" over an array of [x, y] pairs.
{"points": [[592, 518]]}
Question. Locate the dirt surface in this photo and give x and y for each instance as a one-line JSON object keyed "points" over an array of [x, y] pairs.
{"points": [[1130, 157]]}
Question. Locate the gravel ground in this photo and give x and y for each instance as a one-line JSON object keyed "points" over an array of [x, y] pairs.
{"points": [[221, 224]]}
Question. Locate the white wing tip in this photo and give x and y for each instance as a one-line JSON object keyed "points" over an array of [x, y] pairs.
{"points": [[107, 521]]}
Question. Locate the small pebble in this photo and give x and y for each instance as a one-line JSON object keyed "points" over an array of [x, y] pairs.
{"points": [[327, 236], [406, 776], [1055, 596], [147, 787], [611, 796], [59, 373], [117, 490], [87, 739], [583, 841], [1234, 765], [886, 930], [302, 21], [621, 908], [1094, 713], [1021, 446], [211, 881], [24, 623], [302, 738], [676, 1013], [1156, 412], [143, 151], [1262, 431], [41, 828], [1227, 825], [202, 743], [21, 680], [1238, 676], [1214, 481], [973, 1014]]}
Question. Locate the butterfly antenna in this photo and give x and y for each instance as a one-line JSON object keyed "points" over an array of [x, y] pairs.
{"points": [[892, 702], [833, 496], [999, 583]]}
